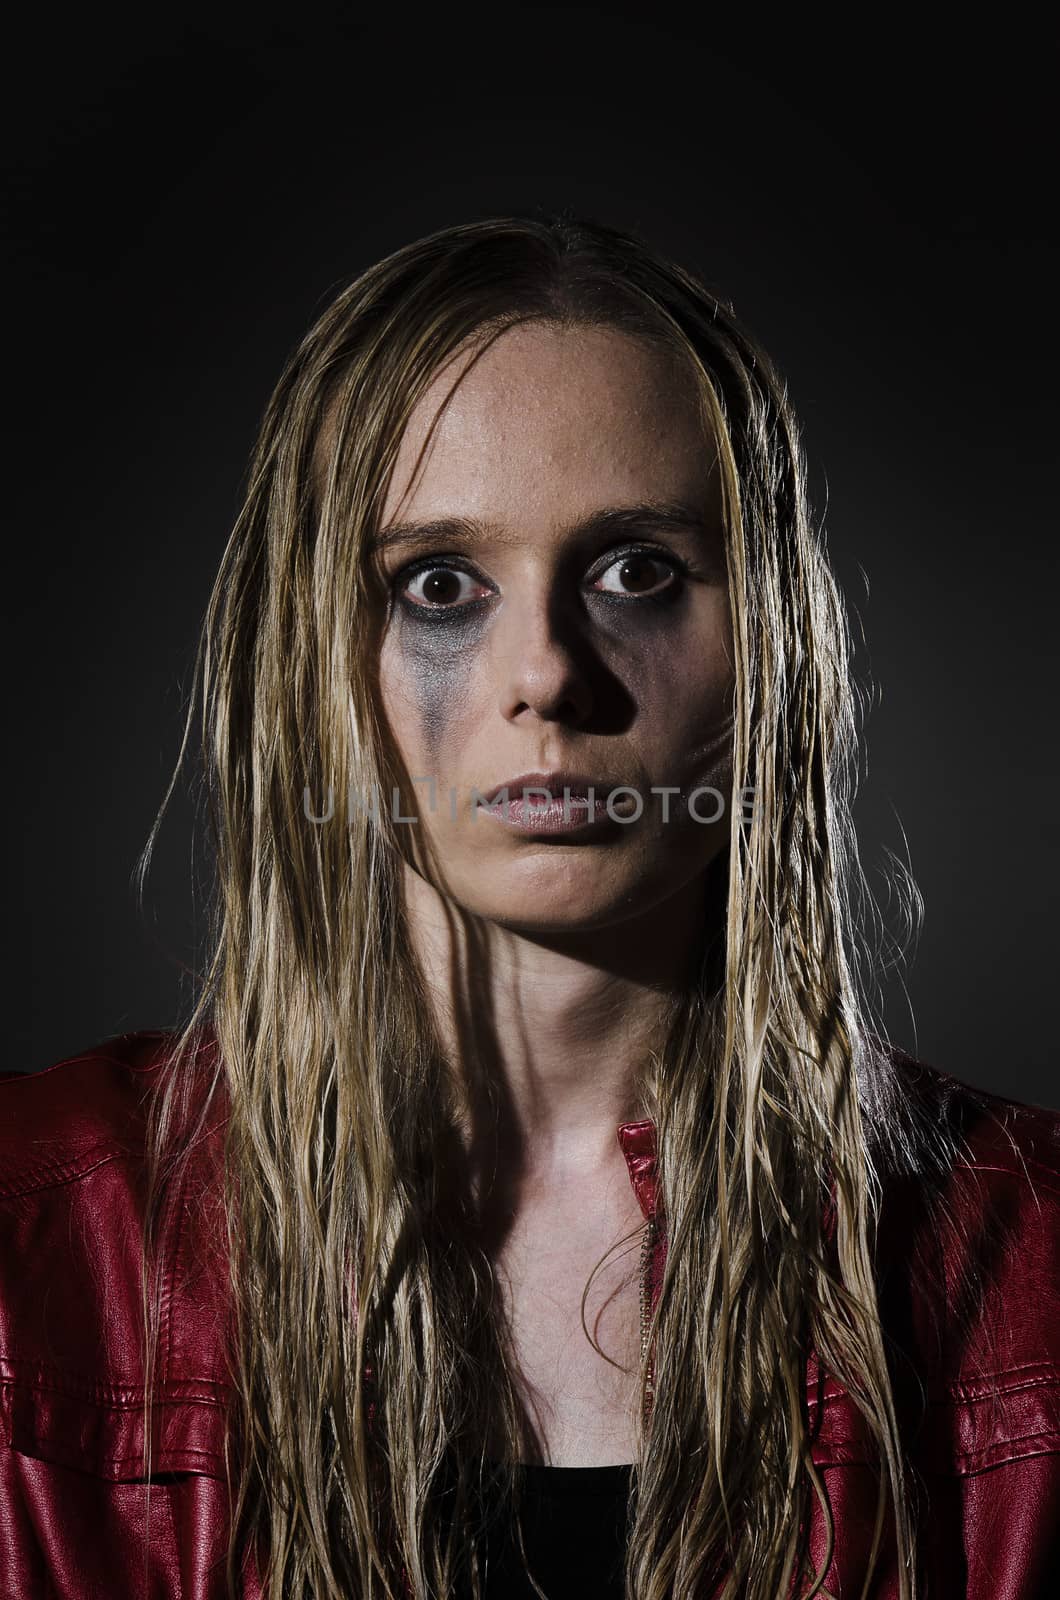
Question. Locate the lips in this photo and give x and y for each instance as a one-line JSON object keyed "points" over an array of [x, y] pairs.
{"points": [[575, 783]]}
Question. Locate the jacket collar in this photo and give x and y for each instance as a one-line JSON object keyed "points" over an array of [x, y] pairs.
{"points": [[637, 1140]]}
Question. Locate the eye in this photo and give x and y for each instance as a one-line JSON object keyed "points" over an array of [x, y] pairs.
{"points": [[438, 586], [637, 572]]}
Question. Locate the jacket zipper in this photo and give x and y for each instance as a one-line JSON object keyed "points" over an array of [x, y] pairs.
{"points": [[647, 1252]]}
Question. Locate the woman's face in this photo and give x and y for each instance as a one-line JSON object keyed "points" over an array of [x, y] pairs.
{"points": [[558, 623]]}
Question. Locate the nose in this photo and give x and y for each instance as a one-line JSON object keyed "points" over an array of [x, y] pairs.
{"points": [[540, 669]]}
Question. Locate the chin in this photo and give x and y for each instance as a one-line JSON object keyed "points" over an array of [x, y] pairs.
{"points": [[556, 907], [537, 923]]}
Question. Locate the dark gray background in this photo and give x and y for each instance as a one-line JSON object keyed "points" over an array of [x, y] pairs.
{"points": [[184, 195]]}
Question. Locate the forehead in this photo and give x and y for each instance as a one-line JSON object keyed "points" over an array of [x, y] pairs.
{"points": [[544, 415]]}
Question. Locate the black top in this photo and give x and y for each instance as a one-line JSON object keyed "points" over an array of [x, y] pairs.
{"points": [[574, 1528]]}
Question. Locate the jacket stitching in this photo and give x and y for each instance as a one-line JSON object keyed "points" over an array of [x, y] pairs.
{"points": [[52, 1174], [132, 1402], [43, 1443], [91, 1391], [968, 1394], [1053, 1187], [965, 1393], [88, 1055], [172, 1233], [1053, 1448]]}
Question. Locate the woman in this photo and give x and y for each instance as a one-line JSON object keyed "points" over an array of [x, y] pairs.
{"points": [[529, 1191]]}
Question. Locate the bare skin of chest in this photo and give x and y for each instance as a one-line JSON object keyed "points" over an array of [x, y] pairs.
{"points": [[582, 1408]]}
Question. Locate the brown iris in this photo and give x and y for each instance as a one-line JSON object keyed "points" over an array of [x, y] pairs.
{"points": [[639, 566]]}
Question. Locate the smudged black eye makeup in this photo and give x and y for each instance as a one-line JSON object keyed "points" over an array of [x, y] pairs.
{"points": [[447, 584]]}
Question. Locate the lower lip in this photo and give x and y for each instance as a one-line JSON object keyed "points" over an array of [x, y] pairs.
{"points": [[558, 815]]}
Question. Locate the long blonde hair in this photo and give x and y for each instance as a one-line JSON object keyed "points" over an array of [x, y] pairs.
{"points": [[367, 1350]]}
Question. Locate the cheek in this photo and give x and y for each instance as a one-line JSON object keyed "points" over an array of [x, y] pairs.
{"points": [[424, 673], [646, 648], [676, 665]]}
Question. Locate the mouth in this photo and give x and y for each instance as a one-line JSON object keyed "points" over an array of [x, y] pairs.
{"points": [[543, 786], [559, 802]]}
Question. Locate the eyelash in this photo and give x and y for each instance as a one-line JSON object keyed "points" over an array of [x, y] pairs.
{"points": [[456, 563]]}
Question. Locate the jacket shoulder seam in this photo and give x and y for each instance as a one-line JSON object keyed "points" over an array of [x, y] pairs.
{"points": [[52, 1173], [1043, 1179]]}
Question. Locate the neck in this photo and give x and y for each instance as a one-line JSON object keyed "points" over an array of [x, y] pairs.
{"points": [[555, 1030]]}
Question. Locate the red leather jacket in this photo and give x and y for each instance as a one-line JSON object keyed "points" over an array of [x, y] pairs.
{"points": [[71, 1492]]}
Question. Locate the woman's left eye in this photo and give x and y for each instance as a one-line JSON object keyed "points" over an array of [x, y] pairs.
{"points": [[636, 572]]}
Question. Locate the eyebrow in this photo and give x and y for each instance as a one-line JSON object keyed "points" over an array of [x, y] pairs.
{"points": [[669, 514]]}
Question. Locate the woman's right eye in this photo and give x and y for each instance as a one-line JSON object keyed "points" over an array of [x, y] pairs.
{"points": [[438, 587]]}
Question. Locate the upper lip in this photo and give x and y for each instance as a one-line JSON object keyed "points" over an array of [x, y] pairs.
{"points": [[555, 782]]}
